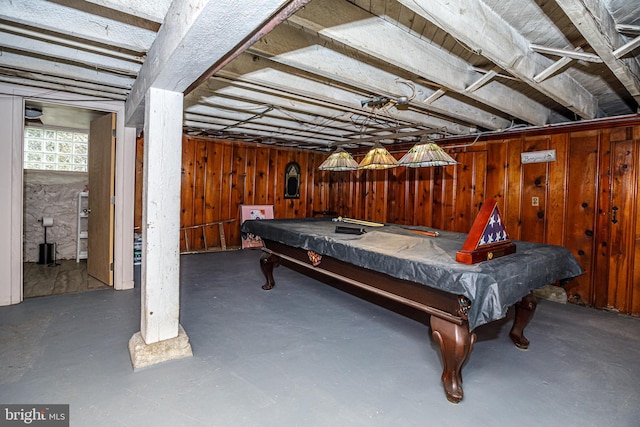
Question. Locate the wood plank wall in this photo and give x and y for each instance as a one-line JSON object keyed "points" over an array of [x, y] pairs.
{"points": [[596, 169], [218, 176]]}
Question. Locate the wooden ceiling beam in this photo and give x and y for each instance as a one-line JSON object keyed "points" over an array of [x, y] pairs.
{"points": [[248, 96], [63, 70], [77, 25], [264, 118], [152, 10], [484, 32], [34, 46], [196, 39], [321, 88], [597, 26], [335, 68], [306, 54], [346, 24]]}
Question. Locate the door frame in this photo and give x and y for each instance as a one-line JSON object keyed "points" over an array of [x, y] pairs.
{"points": [[11, 289]]}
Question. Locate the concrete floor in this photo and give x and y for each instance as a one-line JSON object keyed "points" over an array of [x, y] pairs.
{"points": [[308, 354]]}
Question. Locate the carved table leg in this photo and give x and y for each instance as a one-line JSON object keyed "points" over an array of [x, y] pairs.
{"points": [[267, 262], [456, 343], [524, 313]]}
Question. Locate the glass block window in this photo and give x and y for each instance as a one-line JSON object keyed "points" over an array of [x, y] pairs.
{"points": [[51, 149]]}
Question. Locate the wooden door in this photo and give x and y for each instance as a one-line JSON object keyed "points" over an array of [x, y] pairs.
{"points": [[101, 194], [623, 173]]}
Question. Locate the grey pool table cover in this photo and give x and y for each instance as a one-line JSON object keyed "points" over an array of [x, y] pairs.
{"points": [[491, 286]]}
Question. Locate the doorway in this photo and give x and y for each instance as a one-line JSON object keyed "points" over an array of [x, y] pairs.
{"points": [[51, 203]]}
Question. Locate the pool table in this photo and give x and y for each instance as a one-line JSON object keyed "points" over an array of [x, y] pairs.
{"points": [[416, 266]]}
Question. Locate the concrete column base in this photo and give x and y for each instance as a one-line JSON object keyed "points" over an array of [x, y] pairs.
{"points": [[143, 354]]}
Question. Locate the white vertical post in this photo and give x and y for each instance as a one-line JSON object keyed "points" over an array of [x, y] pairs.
{"points": [[161, 337], [161, 215]]}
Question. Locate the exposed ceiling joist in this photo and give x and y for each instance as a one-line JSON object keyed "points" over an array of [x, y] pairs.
{"points": [[485, 33], [349, 25], [77, 24], [597, 26], [58, 69], [152, 10], [187, 28], [336, 72]]}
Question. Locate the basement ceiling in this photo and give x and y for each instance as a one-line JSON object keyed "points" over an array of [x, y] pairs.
{"points": [[350, 72]]}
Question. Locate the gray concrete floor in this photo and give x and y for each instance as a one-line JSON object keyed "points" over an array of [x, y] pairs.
{"points": [[308, 354]]}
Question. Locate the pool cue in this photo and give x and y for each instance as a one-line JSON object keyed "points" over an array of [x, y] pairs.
{"points": [[426, 233], [359, 222]]}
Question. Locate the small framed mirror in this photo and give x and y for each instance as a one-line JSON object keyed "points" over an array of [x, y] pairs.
{"points": [[292, 181]]}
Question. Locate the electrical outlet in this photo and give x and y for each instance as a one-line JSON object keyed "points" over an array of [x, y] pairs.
{"points": [[535, 201]]}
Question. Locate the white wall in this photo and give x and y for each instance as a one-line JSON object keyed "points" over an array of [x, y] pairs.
{"points": [[11, 190], [11, 115]]}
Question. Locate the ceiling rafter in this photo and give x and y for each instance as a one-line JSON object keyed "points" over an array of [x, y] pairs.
{"points": [[597, 26], [373, 36], [486, 33], [333, 65], [86, 26]]}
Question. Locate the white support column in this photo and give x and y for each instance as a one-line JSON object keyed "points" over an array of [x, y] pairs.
{"points": [[161, 338]]}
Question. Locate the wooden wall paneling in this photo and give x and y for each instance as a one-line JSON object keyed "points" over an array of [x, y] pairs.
{"points": [[300, 209], [555, 212], [635, 279], [277, 172], [212, 191], [338, 182], [534, 186], [307, 169], [312, 171], [340, 194], [513, 189], [496, 171], [404, 196], [187, 192], [315, 174], [600, 274], [381, 195], [439, 181], [468, 190], [581, 199], [367, 187], [423, 198], [449, 195], [393, 195], [227, 211], [238, 177], [199, 185], [479, 194], [249, 192], [623, 173], [262, 177], [459, 208]]}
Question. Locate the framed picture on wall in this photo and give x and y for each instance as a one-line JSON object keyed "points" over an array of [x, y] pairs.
{"points": [[254, 212], [292, 181]]}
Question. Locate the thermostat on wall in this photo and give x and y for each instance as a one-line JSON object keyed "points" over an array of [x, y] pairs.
{"points": [[538, 156]]}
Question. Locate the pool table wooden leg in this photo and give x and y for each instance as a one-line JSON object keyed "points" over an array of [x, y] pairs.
{"points": [[524, 313], [456, 343], [267, 262]]}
